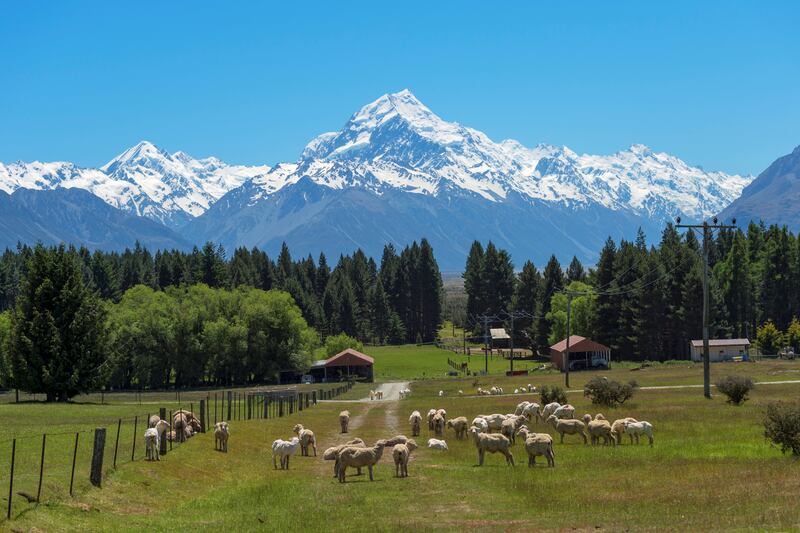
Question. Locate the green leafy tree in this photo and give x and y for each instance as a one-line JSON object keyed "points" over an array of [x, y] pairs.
{"points": [[338, 343], [59, 343], [793, 334], [769, 338], [582, 312]]}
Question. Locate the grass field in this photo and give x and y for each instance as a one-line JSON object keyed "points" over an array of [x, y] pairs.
{"points": [[708, 455]]}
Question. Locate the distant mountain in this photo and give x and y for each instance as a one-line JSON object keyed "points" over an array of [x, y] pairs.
{"points": [[76, 216], [774, 196], [144, 180], [397, 172]]}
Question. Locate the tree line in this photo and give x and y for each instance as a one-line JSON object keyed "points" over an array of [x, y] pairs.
{"points": [[645, 302]]}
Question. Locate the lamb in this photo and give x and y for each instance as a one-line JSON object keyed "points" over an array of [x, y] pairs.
{"points": [[565, 411], [152, 442], [344, 420], [437, 444], [332, 454], [359, 457], [481, 424], [618, 428], [415, 420], [634, 429], [438, 424], [549, 409], [161, 426], [538, 444], [487, 442], [400, 454], [284, 449], [431, 414], [221, 433], [459, 425], [601, 429], [568, 427], [307, 439]]}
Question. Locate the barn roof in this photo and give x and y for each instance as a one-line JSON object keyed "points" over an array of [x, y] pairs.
{"points": [[722, 342], [579, 344], [499, 334], [350, 357]]}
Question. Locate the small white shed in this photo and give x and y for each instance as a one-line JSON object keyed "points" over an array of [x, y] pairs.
{"points": [[720, 349]]}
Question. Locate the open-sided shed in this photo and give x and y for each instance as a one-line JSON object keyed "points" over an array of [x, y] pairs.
{"points": [[347, 364], [583, 353]]}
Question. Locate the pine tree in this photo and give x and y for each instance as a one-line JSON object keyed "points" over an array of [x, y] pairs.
{"points": [[497, 280], [380, 313], [576, 272], [430, 282], [552, 283], [473, 280], [606, 313], [650, 306], [737, 288], [526, 299]]}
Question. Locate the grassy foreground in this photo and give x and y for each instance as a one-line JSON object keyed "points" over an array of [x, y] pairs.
{"points": [[710, 469]]}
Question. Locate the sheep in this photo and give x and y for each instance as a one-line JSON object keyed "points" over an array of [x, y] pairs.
{"points": [[415, 420], [359, 457], [481, 424], [180, 421], [441, 393], [378, 395], [531, 388], [221, 433], [568, 427], [507, 429], [565, 411], [284, 449], [399, 439], [601, 429], [431, 414], [153, 420], [437, 444], [538, 444], [495, 421], [521, 407], [599, 416], [402, 394], [487, 442], [531, 412], [516, 391], [618, 428], [332, 454], [494, 390], [371, 395], [152, 443], [549, 409], [438, 424], [344, 420], [460, 392], [400, 454], [639, 428], [459, 425], [443, 414], [587, 418], [162, 426], [307, 439]]}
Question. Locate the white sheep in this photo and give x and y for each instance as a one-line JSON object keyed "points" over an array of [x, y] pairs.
{"points": [[549, 409], [221, 434], [307, 439], [538, 444], [415, 420], [359, 457], [618, 428], [441, 393], [481, 424], [332, 454], [406, 393], [438, 424], [162, 426], [459, 425], [601, 429], [152, 443], [460, 392], [634, 429], [153, 420], [531, 388], [401, 454], [442, 413], [398, 439], [494, 390], [516, 391], [495, 421], [507, 429], [568, 427], [284, 449], [487, 442], [344, 420], [431, 414], [565, 411], [521, 407], [371, 395], [437, 444], [587, 418], [532, 412]]}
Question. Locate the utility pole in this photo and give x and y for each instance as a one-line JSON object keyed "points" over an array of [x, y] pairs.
{"points": [[512, 315], [707, 229], [566, 352], [486, 343]]}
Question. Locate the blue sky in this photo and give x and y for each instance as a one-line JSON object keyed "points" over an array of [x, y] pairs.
{"points": [[715, 83]]}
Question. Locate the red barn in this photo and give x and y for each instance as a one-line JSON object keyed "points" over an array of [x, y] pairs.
{"points": [[583, 354]]}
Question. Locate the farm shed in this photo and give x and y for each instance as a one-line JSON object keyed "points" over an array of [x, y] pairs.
{"points": [[500, 339], [720, 349], [583, 354], [345, 364]]}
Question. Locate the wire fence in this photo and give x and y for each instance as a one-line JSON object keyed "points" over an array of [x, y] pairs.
{"points": [[56, 465]]}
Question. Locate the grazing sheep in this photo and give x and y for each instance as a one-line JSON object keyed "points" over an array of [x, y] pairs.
{"points": [[399, 439], [549, 409], [284, 449], [344, 420], [162, 426], [601, 429], [481, 424], [441, 393], [587, 418], [521, 407], [634, 429], [618, 428], [307, 439], [507, 429], [180, 422], [153, 420], [221, 433], [487, 442], [539, 444], [437, 444], [494, 390], [431, 414], [459, 425], [516, 391], [531, 412], [378, 395], [152, 443], [565, 411], [443, 413], [402, 394], [531, 388], [568, 427], [599, 416], [371, 395], [438, 424], [332, 454], [359, 457], [495, 421], [400, 454], [460, 392], [415, 420]]}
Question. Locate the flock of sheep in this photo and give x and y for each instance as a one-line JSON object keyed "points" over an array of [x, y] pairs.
{"points": [[184, 426]]}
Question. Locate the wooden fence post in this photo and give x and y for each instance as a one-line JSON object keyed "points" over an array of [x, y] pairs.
{"points": [[96, 475], [133, 448], [11, 478], [41, 470], [202, 416], [116, 443], [230, 397], [215, 408], [162, 445], [74, 458]]}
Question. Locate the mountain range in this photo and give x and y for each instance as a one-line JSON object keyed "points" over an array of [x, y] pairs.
{"points": [[394, 173]]}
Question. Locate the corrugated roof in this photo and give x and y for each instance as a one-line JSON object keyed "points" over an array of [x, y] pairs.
{"points": [[499, 333], [579, 344], [721, 342], [350, 357]]}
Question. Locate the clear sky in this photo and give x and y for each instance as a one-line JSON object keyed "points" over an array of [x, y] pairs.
{"points": [[715, 83]]}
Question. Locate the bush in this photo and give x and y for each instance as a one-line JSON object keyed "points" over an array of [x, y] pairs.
{"points": [[554, 394], [607, 392], [735, 388], [782, 426], [338, 343]]}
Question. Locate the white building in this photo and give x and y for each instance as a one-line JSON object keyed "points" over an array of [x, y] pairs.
{"points": [[720, 349]]}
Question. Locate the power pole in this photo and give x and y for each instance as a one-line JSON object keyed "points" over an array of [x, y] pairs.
{"points": [[707, 229], [486, 343], [566, 353], [512, 315]]}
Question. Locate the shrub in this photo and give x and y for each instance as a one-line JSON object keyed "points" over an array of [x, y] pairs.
{"points": [[337, 343], [782, 426], [735, 388], [554, 394], [607, 392]]}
